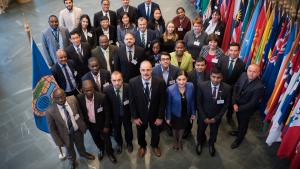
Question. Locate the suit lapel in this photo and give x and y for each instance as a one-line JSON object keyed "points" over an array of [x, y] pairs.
{"points": [[56, 112]]}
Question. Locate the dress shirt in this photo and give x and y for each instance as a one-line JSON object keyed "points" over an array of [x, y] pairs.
{"points": [[120, 93], [106, 56], [149, 85], [97, 78], [91, 109], [85, 33], [106, 32], [62, 113], [146, 9], [70, 19], [107, 14], [165, 74], [211, 27], [233, 63], [145, 36], [217, 89], [80, 49], [132, 51], [68, 86]]}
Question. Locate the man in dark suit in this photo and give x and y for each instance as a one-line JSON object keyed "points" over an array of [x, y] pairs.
{"points": [[66, 126], [128, 58], [79, 53], [231, 67], [96, 114], [99, 77], [106, 29], [147, 106], [54, 38], [146, 9], [112, 16], [247, 93], [105, 53], [66, 74], [132, 11], [212, 100], [144, 36], [118, 96]]}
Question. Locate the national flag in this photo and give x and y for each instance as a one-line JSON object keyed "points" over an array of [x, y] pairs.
{"points": [[43, 84], [228, 29], [223, 10], [295, 163], [248, 14], [238, 20], [207, 12]]}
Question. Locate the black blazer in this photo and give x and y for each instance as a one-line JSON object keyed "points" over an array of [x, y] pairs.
{"points": [[112, 98], [112, 19], [91, 37], [207, 106], [104, 78], [122, 64], [82, 66], [132, 13], [142, 10], [101, 108], [112, 35], [59, 77], [173, 72], [238, 69], [97, 52], [138, 106], [219, 30], [192, 77], [247, 97], [151, 36]]}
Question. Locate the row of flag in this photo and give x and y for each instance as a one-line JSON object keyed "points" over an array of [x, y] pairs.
{"points": [[269, 37]]}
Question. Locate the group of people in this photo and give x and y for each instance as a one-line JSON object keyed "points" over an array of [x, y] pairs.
{"points": [[132, 67]]}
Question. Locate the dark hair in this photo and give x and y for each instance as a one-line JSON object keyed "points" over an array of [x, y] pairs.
{"points": [[93, 58], [217, 11], [154, 42], [89, 27], [235, 44], [66, 0], [215, 70], [179, 9], [104, 18], [73, 32], [181, 72], [121, 17], [165, 53], [161, 19], [52, 16], [179, 41], [212, 37], [201, 59], [103, 1]]}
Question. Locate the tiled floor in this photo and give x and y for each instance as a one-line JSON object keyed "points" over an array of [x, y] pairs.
{"points": [[23, 146]]}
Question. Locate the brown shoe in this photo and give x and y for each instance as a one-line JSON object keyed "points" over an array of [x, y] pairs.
{"points": [[141, 152], [157, 152]]}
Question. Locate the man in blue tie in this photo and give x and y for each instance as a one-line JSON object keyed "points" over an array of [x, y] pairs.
{"points": [[146, 9]]}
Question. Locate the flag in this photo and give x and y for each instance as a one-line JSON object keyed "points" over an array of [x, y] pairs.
{"points": [[295, 163], [238, 20], [227, 32], [43, 84], [223, 10], [247, 17], [207, 12]]}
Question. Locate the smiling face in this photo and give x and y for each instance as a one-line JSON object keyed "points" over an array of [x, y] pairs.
{"points": [[59, 96], [142, 25], [94, 66], [180, 13], [84, 23], [165, 61], [129, 40], [105, 5], [75, 39], [213, 44], [61, 57], [146, 70], [53, 22], [88, 89], [234, 52], [69, 4], [253, 72], [170, 27], [179, 49], [216, 78], [157, 14], [197, 28], [200, 66], [181, 81], [125, 19]]}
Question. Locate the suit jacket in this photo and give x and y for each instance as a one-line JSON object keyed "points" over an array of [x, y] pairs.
{"points": [[50, 45], [207, 106], [151, 36], [60, 78], [113, 100], [247, 97], [173, 72], [91, 37], [192, 77], [82, 66], [142, 10], [238, 69], [122, 64], [112, 35], [132, 13], [113, 20], [97, 52], [101, 110], [174, 100], [137, 100], [219, 30], [57, 126], [104, 79]]}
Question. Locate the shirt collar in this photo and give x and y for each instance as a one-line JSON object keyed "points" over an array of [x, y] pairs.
{"points": [[212, 86], [130, 49], [77, 47], [87, 100], [121, 89], [162, 69], [144, 81]]}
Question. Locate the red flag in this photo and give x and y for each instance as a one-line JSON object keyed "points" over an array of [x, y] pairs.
{"points": [[229, 25]]}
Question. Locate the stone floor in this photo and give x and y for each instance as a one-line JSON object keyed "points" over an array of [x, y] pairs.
{"points": [[23, 146]]}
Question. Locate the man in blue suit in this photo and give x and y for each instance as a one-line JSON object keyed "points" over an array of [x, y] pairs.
{"points": [[147, 8], [53, 38]]}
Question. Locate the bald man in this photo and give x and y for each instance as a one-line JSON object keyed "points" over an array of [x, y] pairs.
{"points": [[66, 125], [247, 93], [147, 106]]}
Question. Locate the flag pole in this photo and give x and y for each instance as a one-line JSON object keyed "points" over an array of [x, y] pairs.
{"points": [[27, 28]]}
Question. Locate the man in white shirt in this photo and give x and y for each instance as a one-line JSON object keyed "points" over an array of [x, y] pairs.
{"points": [[70, 16]]}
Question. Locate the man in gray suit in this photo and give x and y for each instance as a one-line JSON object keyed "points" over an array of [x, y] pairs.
{"points": [[53, 38], [66, 125], [105, 53]]}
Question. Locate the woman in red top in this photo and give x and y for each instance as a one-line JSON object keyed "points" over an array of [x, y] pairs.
{"points": [[182, 23]]}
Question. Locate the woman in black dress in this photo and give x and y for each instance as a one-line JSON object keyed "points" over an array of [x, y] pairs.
{"points": [[169, 38]]}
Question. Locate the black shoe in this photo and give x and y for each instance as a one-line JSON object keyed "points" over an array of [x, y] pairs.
{"points": [[212, 150], [186, 134], [129, 148], [199, 148], [88, 156], [100, 155], [72, 164], [235, 144], [233, 133], [119, 149], [112, 158]]}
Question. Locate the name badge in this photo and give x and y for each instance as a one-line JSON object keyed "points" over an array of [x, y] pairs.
{"points": [[215, 60], [133, 61], [218, 33], [197, 43], [105, 84], [75, 73], [76, 116], [220, 101], [100, 109], [112, 62], [180, 29], [89, 35], [171, 82], [126, 102], [156, 64]]}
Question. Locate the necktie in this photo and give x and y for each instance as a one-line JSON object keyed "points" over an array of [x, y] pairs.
{"points": [[68, 118], [148, 12], [79, 54], [147, 93], [120, 102], [68, 77], [98, 81], [214, 92], [143, 40], [130, 55], [230, 68]]}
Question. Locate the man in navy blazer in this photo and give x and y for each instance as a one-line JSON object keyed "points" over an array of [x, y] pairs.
{"points": [[147, 106], [146, 9], [212, 100], [132, 11], [144, 36], [99, 77], [105, 12], [54, 38], [118, 96], [247, 94]]}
